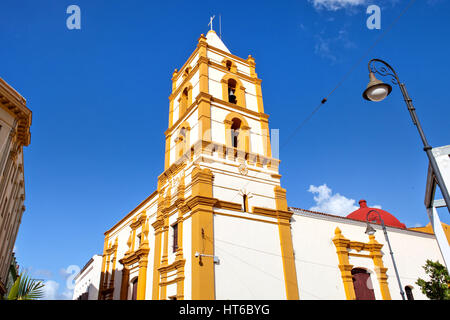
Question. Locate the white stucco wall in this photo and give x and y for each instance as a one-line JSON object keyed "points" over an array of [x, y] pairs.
{"points": [[317, 262], [250, 259], [89, 279]]}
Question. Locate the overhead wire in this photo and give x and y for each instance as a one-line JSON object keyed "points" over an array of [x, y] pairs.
{"points": [[347, 74]]}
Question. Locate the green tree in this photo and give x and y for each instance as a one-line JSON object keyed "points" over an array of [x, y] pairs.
{"points": [[438, 287], [25, 288]]}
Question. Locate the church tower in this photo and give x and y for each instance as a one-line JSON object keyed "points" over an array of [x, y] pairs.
{"points": [[218, 225]]}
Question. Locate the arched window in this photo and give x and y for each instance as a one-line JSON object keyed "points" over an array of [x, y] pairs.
{"points": [[409, 294], [362, 284], [228, 65], [235, 127], [182, 140], [237, 132], [184, 101], [134, 289], [232, 91]]}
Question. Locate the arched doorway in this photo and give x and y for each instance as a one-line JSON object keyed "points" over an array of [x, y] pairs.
{"points": [[409, 294], [362, 284]]}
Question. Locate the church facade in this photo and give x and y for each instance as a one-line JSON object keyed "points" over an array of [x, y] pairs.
{"points": [[218, 226]]}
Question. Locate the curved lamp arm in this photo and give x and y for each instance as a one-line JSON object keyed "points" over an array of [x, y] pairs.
{"points": [[385, 70], [379, 217]]}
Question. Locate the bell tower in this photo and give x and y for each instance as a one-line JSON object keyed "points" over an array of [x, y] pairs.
{"points": [[216, 98], [220, 173]]}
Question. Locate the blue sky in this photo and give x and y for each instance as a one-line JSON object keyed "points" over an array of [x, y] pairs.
{"points": [[99, 98]]}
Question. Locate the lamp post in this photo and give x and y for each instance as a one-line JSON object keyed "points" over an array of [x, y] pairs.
{"points": [[377, 90], [370, 231]]}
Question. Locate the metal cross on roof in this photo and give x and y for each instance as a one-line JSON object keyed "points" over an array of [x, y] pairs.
{"points": [[211, 21]]}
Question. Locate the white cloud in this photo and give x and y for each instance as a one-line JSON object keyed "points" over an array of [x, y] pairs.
{"points": [[330, 47], [51, 290], [67, 295], [334, 5], [336, 204]]}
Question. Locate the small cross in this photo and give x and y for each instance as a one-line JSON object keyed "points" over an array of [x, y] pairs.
{"points": [[211, 21]]}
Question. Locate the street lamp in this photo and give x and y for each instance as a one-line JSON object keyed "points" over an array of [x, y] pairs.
{"points": [[378, 90], [371, 231]]}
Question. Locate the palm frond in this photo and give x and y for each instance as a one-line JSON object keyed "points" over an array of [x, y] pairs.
{"points": [[26, 288]]}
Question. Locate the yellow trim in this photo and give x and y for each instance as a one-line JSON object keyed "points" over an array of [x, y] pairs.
{"points": [[287, 248], [106, 287], [157, 225], [429, 229], [252, 64], [240, 90], [203, 62], [266, 138], [183, 104], [244, 140], [341, 244], [342, 249], [139, 206], [233, 67], [242, 217], [103, 270], [204, 116], [167, 153], [182, 144], [375, 252], [203, 280], [226, 54]]}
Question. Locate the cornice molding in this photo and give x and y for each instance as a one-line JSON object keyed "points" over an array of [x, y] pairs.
{"points": [[12, 102]]}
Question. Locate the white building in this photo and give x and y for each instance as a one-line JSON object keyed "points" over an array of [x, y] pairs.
{"points": [[329, 249], [218, 225], [442, 157], [88, 279]]}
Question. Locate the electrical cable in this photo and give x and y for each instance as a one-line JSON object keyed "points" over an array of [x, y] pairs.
{"points": [[324, 100]]}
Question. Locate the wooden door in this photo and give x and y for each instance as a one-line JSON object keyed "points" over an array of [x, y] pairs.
{"points": [[134, 292], [361, 283]]}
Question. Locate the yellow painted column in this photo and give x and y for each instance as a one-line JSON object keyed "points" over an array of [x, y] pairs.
{"points": [[203, 64], [167, 152], [204, 117], [341, 244], [375, 252], [157, 225], [124, 286], [103, 272], [259, 98], [266, 137], [203, 280], [142, 278], [287, 248], [113, 270], [204, 99]]}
